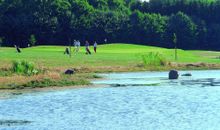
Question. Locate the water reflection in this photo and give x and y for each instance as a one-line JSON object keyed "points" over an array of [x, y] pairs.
{"points": [[13, 122], [209, 82], [199, 79]]}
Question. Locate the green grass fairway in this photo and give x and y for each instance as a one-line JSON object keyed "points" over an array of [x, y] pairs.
{"points": [[52, 62], [108, 55]]}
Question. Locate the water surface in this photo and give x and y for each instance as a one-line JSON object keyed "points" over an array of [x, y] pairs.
{"points": [[142, 100]]}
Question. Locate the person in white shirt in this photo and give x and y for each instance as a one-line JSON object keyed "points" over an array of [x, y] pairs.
{"points": [[95, 46], [77, 46], [78, 43], [105, 40]]}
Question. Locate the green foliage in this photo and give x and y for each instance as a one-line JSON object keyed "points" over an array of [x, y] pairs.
{"points": [[24, 67], [195, 22], [5, 72], [100, 4], [32, 40], [42, 83], [154, 59], [150, 26], [47, 82], [184, 28], [198, 31]]}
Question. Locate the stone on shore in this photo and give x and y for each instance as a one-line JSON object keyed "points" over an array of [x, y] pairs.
{"points": [[69, 72]]}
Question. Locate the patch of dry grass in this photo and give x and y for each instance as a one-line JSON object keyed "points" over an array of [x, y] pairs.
{"points": [[49, 78]]}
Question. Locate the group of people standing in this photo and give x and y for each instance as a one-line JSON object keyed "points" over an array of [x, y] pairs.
{"points": [[77, 45], [87, 45]]}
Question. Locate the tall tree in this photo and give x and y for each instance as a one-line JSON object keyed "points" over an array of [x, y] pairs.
{"points": [[185, 30]]}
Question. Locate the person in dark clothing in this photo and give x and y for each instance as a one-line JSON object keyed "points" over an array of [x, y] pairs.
{"points": [[18, 49], [87, 48], [67, 51]]}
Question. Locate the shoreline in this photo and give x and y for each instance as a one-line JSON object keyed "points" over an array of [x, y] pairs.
{"points": [[52, 88], [9, 93], [58, 88], [85, 75]]}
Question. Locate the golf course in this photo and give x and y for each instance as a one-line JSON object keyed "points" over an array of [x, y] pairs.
{"points": [[109, 64], [121, 55], [51, 63]]}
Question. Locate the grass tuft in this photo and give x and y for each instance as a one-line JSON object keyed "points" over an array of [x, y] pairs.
{"points": [[47, 82], [154, 59], [24, 67]]}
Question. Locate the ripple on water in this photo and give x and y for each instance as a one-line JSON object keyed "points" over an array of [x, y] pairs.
{"points": [[13, 122], [180, 104]]}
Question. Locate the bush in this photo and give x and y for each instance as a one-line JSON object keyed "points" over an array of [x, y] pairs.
{"points": [[154, 59], [32, 40], [24, 67]]}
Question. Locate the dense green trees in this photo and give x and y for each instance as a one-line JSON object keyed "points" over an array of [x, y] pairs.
{"points": [[203, 20], [184, 28], [147, 28], [196, 23]]}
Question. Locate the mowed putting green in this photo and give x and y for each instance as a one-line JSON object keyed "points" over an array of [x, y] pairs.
{"points": [[109, 55]]}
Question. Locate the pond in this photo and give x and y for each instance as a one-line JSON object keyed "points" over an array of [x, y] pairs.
{"points": [[127, 101]]}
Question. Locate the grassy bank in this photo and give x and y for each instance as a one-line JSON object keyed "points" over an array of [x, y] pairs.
{"points": [[110, 58]]}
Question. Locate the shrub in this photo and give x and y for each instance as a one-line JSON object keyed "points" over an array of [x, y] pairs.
{"points": [[154, 59], [32, 40], [24, 67]]}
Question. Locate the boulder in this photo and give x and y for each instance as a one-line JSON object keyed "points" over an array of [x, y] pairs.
{"points": [[187, 74], [69, 72], [173, 74]]}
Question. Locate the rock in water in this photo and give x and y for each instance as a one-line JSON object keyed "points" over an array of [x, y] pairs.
{"points": [[187, 74], [173, 74], [69, 72]]}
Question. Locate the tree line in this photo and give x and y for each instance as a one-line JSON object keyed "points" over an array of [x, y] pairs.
{"points": [[195, 23]]}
